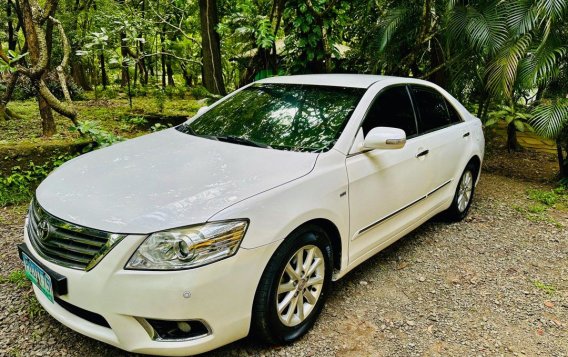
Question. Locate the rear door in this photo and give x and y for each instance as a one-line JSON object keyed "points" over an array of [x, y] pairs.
{"points": [[445, 135]]}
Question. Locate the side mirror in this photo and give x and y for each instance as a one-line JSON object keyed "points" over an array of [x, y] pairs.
{"points": [[384, 138], [202, 110]]}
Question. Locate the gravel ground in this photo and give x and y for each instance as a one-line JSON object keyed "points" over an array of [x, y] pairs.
{"points": [[495, 284]]}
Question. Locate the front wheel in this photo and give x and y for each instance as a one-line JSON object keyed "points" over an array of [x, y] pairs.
{"points": [[293, 287], [464, 195]]}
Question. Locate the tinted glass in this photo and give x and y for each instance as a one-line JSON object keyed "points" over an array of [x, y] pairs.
{"points": [[283, 116], [432, 108], [454, 115], [392, 108]]}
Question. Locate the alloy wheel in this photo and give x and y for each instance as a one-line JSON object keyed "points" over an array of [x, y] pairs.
{"points": [[300, 285], [465, 190]]}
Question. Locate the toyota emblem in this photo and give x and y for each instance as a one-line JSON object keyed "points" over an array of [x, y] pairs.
{"points": [[43, 229]]}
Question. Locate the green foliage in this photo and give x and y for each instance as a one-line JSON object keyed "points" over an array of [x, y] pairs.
{"points": [[101, 138], [314, 33], [199, 92], [551, 119], [25, 89], [19, 185], [34, 307], [548, 198], [547, 288], [8, 67], [158, 127], [108, 93], [129, 123], [16, 277], [519, 118], [160, 99]]}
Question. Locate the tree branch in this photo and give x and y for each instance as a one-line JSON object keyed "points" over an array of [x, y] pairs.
{"points": [[61, 68]]}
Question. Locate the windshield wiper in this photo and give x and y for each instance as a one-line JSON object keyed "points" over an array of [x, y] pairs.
{"points": [[243, 141]]}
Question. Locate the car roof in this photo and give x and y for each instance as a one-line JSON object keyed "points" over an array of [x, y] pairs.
{"points": [[335, 80]]}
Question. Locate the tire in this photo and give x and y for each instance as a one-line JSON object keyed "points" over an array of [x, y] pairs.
{"points": [[272, 325], [464, 195]]}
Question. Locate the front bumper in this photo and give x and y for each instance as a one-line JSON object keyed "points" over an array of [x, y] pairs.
{"points": [[221, 295]]}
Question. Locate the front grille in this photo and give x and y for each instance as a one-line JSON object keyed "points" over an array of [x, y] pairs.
{"points": [[65, 243]]}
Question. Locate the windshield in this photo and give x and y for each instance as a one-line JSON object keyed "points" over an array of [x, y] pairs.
{"points": [[280, 116]]}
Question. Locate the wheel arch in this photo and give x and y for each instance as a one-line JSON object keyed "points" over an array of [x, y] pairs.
{"points": [[475, 160], [334, 237]]}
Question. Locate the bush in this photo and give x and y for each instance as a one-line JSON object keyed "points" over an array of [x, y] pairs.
{"points": [[25, 90], [18, 187], [200, 92], [139, 91], [175, 92], [109, 93], [100, 137]]}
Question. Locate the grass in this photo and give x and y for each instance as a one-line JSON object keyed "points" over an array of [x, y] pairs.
{"points": [[109, 113], [542, 202], [34, 307], [547, 288], [17, 277]]}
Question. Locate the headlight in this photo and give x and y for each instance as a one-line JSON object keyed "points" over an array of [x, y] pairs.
{"points": [[189, 247]]}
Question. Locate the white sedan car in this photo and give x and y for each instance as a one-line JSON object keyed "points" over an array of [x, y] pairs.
{"points": [[238, 220]]}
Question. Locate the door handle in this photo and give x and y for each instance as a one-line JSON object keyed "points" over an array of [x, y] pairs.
{"points": [[466, 135], [422, 153]]}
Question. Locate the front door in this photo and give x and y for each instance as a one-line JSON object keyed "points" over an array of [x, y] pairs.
{"points": [[386, 186]]}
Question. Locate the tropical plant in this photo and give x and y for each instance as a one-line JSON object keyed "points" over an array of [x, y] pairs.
{"points": [[515, 120], [551, 121]]}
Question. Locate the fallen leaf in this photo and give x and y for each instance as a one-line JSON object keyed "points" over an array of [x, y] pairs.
{"points": [[401, 265], [548, 304]]}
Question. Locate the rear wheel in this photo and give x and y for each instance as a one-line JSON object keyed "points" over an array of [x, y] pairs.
{"points": [[293, 287], [464, 194]]}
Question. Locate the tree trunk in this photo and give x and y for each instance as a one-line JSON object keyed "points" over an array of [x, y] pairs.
{"points": [[163, 57], [104, 78], [170, 72], [5, 113], [186, 76], [12, 39], [78, 74], [212, 70], [562, 164], [142, 65], [124, 54], [512, 143], [39, 56], [47, 122]]}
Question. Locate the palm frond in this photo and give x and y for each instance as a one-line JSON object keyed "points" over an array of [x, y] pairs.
{"points": [[542, 63], [501, 72], [549, 120], [390, 24], [553, 9], [523, 15]]}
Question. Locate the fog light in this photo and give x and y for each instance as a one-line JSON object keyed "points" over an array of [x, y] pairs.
{"points": [[164, 330], [184, 326]]}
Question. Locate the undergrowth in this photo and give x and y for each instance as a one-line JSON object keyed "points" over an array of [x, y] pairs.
{"points": [[18, 187]]}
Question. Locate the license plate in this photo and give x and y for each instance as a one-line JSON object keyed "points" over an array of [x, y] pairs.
{"points": [[38, 276]]}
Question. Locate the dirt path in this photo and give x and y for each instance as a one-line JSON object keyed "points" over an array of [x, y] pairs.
{"points": [[496, 284]]}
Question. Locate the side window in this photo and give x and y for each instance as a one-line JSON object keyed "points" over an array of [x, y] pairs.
{"points": [[455, 117], [432, 108], [392, 108]]}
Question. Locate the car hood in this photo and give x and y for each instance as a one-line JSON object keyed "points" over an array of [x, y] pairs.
{"points": [[164, 180]]}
